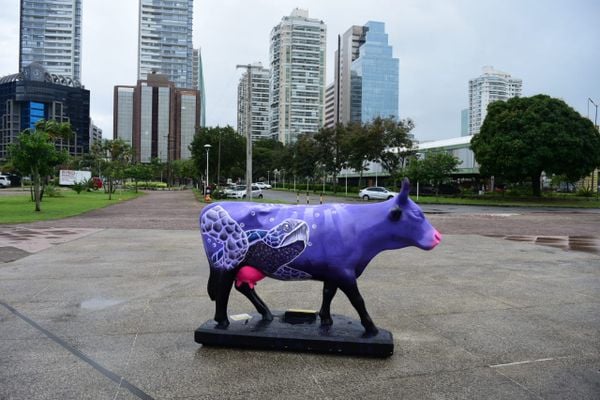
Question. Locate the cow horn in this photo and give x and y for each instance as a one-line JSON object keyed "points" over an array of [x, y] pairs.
{"points": [[403, 196]]}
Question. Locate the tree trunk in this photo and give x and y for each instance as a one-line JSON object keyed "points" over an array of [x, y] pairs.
{"points": [[535, 185], [36, 189], [110, 184]]}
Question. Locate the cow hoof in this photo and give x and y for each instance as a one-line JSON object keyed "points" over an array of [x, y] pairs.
{"points": [[371, 331], [326, 321], [267, 317], [222, 324]]}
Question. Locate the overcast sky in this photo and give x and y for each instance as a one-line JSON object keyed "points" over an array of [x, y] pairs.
{"points": [[553, 45]]}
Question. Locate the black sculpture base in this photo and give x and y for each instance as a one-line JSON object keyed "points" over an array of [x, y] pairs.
{"points": [[294, 331]]}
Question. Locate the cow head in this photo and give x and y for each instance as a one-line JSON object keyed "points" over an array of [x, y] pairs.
{"points": [[409, 225]]}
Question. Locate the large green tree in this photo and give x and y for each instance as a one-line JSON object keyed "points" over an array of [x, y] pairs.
{"points": [[395, 143], [435, 168], [266, 157], [523, 137], [35, 153], [333, 150], [227, 155]]}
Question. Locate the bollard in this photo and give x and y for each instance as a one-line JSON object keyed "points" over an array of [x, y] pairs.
{"points": [[297, 198], [307, 198], [321, 199]]}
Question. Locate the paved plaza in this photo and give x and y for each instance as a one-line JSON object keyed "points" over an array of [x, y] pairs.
{"points": [[104, 306]]}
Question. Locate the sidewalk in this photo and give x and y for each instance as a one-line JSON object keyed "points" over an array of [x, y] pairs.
{"points": [[112, 314]]}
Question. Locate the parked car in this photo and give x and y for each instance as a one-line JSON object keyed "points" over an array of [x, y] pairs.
{"points": [[4, 181], [239, 192], [262, 185], [376, 192]]}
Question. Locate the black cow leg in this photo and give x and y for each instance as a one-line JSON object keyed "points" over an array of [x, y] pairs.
{"points": [[359, 304], [251, 295], [224, 284], [329, 290]]}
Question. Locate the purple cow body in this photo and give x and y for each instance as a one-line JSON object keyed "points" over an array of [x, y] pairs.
{"points": [[332, 243]]}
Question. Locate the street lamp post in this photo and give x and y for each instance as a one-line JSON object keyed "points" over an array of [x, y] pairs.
{"points": [[207, 147]]}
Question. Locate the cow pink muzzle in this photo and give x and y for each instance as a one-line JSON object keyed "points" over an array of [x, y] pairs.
{"points": [[437, 238]]}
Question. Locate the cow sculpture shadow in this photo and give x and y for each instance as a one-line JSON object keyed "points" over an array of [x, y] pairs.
{"points": [[332, 243]]}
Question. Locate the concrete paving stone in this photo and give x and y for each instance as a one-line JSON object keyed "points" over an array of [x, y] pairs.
{"points": [[172, 365], [85, 290], [130, 317], [438, 299], [476, 383], [568, 378], [504, 336], [11, 253], [528, 292], [14, 328], [41, 369]]}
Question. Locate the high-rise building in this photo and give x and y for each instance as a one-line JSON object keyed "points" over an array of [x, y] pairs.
{"points": [[34, 94], [198, 83], [253, 103], [464, 122], [157, 119], [491, 86], [297, 84], [50, 34], [330, 106], [366, 75], [165, 40], [95, 134]]}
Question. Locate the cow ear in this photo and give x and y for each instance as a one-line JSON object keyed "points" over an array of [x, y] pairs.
{"points": [[403, 196]]}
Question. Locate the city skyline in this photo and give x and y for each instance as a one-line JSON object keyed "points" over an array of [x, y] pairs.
{"points": [[440, 45]]}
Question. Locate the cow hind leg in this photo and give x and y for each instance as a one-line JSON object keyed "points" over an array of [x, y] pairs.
{"points": [[351, 290], [329, 291], [245, 289], [220, 288]]}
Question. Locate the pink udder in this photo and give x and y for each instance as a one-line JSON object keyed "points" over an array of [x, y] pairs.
{"points": [[249, 275]]}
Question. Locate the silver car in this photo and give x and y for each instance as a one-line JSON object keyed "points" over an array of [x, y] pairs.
{"points": [[239, 192], [376, 192], [4, 181]]}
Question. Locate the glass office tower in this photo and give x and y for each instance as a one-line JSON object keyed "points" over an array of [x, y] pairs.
{"points": [[165, 40], [50, 34], [374, 77]]}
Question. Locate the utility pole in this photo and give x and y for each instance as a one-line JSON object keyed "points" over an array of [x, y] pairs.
{"points": [[248, 68]]}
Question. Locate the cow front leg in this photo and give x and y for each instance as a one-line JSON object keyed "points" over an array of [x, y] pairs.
{"points": [[329, 291], [351, 290], [245, 289], [224, 284]]}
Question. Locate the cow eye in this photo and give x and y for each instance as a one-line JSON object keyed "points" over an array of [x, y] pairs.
{"points": [[395, 214]]}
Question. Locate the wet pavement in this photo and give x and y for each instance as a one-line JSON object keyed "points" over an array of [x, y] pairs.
{"points": [[104, 305]]}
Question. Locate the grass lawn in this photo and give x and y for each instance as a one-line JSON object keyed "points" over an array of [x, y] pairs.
{"points": [[19, 208]]}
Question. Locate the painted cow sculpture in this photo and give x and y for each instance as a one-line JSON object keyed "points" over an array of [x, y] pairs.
{"points": [[333, 243]]}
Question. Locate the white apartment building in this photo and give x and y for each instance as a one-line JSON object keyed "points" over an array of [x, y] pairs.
{"points": [[297, 84], [50, 35], [253, 103], [491, 86], [165, 40]]}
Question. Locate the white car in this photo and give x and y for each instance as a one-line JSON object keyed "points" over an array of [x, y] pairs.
{"points": [[262, 185], [4, 181], [376, 192], [239, 192]]}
